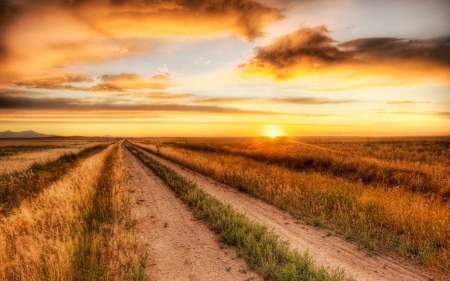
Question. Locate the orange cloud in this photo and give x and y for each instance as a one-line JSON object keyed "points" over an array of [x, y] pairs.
{"points": [[42, 35], [311, 51], [134, 81], [54, 82], [110, 83], [39, 41], [181, 17]]}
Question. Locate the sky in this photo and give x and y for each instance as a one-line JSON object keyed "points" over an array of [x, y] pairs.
{"points": [[217, 68]]}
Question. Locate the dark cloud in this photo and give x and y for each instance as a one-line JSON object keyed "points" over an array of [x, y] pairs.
{"points": [[10, 102], [312, 50], [309, 100], [434, 51], [442, 40], [307, 48]]}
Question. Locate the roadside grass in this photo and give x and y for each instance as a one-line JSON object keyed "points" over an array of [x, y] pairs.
{"points": [[79, 228], [105, 248], [394, 173], [257, 245], [387, 220], [18, 186]]}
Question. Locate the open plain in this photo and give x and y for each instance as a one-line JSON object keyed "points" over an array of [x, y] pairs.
{"points": [[227, 209]]}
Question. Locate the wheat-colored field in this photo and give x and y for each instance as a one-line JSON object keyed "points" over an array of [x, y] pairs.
{"points": [[17, 155], [71, 218], [78, 228], [386, 195]]}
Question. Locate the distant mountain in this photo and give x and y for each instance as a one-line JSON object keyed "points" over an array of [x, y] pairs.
{"points": [[22, 135]]}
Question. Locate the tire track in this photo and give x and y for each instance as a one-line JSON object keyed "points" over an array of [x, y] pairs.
{"points": [[179, 246]]}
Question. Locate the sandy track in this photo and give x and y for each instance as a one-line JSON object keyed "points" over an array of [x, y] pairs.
{"points": [[184, 248], [329, 251]]}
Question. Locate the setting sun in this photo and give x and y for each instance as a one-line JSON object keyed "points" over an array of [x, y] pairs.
{"points": [[273, 131]]}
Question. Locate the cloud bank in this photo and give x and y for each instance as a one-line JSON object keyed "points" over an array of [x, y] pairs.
{"points": [[313, 51], [108, 83], [66, 32]]}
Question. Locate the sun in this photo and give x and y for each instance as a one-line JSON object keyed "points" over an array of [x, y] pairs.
{"points": [[272, 131]]}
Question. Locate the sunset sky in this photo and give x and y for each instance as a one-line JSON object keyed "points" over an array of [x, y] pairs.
{"points": [[225, 67]]}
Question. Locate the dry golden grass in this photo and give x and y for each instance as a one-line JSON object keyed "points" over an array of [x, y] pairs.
{"points": [[385, 219], [37, 240], [123, 260], [43, 238], [52, 149], [415, 164]]}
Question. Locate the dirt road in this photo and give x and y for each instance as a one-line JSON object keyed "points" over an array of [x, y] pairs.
{"points": [[179, 247], [329, 251]]}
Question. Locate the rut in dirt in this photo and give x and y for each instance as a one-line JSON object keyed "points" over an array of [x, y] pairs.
{"points": [[179, 247]]}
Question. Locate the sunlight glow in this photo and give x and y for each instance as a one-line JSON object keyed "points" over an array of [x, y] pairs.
{"points": [[273, 131]]}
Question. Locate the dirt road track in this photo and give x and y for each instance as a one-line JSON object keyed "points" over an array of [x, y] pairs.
{"points": [[179, 247], [329, 251]]}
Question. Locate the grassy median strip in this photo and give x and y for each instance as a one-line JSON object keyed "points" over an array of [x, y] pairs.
{"points": [[17, 186], [259, 246], [105, 248]]}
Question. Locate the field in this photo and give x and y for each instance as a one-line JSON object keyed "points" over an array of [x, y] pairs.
{"points": [[19, 154], [225, 209]]}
